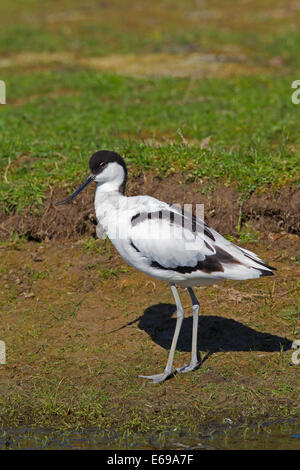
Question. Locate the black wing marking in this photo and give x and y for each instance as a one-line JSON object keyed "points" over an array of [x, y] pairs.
{"points": [[211, 263], [262, 263], [180, 218]]}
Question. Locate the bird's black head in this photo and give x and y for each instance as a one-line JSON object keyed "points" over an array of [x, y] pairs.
{"points": [[105, 166], [102, 158]]}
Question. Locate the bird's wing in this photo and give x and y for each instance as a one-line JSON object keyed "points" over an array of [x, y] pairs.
{"points": [[169, 238]]}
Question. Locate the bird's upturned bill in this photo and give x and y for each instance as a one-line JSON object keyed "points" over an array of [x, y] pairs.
{"points": [[81, 187]]}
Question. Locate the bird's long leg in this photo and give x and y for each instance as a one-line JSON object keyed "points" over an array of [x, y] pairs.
{"points": [[194, 359], [168, 369]]}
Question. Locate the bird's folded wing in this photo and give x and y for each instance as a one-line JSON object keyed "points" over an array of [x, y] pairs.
{"points": [[170, 238], [167, 238]]}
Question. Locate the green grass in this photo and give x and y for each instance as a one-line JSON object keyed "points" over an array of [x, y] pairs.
{"points": [[47, 139], [57, 115], [261, 30], [98, 38]]}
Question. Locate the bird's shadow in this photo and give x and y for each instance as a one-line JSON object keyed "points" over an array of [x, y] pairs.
{"points": [[214, 333]]}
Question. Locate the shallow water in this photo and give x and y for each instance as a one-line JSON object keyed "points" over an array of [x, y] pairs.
{"points": [[278, 435]]}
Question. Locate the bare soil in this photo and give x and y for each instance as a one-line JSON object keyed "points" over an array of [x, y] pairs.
{"points": [[268, 211], [194, 65], [80, 326]]}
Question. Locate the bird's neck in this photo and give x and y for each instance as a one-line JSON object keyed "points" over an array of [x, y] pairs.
{"points": [[108, 198], [111, 187], [117, 183]]}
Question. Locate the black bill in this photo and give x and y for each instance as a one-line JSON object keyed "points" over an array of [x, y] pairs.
{"points": [[87, 181]]}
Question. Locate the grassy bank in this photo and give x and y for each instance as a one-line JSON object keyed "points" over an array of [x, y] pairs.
{"points": [[243, 131], [69, 69]]}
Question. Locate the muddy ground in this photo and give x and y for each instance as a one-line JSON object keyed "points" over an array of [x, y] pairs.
{"points": [[80, 325], [267, 211]]}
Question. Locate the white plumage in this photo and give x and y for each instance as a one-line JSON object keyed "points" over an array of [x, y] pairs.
{"points": [[157, 240], [165, 242]]}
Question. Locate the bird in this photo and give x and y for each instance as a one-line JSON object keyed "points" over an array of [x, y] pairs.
{"points": [[165, 242]]}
